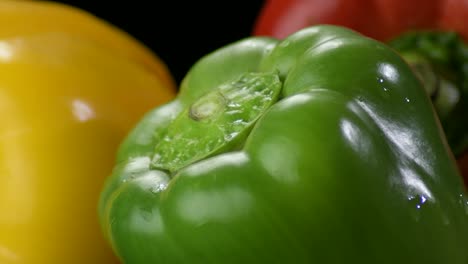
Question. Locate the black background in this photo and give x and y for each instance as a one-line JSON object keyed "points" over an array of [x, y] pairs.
{"points": [[179, 32]]}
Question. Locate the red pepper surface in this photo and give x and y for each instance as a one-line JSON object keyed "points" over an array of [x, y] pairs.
{"points": [[379, 19]]}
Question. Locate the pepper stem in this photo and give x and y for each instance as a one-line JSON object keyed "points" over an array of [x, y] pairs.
{"points": [[217, 122], [444, 94]]}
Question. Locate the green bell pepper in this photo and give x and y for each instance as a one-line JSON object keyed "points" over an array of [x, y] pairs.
{"points": [[322, 147], [440, 59]]}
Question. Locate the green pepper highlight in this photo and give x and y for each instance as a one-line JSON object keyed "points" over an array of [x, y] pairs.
{"points": [[440, 59]]}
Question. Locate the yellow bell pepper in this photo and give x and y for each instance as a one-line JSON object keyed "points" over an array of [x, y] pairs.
{"points": [[71, 87]]}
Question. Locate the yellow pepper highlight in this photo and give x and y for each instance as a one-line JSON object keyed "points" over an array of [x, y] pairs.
{"points": [[71, 87]]}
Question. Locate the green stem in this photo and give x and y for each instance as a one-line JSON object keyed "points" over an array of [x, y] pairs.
{"points": [[216, 122]]}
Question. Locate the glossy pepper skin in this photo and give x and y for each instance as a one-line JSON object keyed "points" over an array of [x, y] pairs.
{"points": [[440, 59], [322, 147], [431, 35], [71, 87]]}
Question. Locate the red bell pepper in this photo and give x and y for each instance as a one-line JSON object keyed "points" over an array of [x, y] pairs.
{"points": [[379, 19]]}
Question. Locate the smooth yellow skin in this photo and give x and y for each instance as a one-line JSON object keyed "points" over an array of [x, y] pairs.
{"points": [[27, 17], [67, 99]]}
